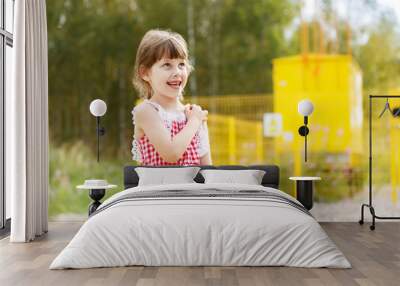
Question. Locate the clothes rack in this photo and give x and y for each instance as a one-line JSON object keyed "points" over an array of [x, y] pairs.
{"points": [[370, 203]]}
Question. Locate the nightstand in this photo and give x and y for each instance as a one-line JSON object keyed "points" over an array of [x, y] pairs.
{"points": [[304, 190], [97, 190]]}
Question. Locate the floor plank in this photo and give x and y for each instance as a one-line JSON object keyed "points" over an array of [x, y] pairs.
{"points": [[374, 255]]}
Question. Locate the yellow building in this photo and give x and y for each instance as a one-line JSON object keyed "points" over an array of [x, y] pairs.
{"points": [[334, 84]]}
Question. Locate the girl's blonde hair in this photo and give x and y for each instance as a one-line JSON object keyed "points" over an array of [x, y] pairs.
{"points": [[155, 45]]}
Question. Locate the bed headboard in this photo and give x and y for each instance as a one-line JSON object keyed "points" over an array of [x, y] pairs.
{"points": [[270, 179]]}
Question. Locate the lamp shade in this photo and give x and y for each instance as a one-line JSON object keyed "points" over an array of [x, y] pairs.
{"points": [[305, 107], [98, 107]]}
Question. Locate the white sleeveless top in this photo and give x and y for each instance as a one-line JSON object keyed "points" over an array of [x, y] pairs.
{"points": [[168, 117]]}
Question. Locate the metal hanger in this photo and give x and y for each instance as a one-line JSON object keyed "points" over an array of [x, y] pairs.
{"points": [[387, 107]]}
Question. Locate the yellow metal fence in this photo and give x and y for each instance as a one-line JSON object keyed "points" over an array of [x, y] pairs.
{"points": [[235, 141], [235, 127]]}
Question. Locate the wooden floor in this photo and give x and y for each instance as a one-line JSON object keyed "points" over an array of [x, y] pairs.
{"points": [[374, 255]]}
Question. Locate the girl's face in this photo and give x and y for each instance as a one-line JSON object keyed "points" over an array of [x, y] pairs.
{"points": [[168, 77]]}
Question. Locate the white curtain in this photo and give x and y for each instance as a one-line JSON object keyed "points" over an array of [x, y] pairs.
{"points": [[27, 124]]}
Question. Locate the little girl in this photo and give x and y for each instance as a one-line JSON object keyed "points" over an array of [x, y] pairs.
{"points": [[166, 131]]}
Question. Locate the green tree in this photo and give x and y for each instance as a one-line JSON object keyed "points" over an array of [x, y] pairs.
{"points": [[379, 57]]}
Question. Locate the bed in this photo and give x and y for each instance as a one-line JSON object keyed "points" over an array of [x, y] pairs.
{"points": [[201, 224]]}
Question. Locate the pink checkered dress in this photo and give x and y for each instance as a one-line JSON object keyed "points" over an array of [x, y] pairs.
{"points": [[145, 153]]}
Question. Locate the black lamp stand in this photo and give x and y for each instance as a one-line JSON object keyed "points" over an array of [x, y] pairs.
{"points": [[100, 131], [370, 205], [303, 131]]}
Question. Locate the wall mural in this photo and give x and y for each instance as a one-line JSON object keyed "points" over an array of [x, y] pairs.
{"points": [[225, 80]]}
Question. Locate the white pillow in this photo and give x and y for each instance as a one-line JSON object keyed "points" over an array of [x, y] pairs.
{"points": [[249, 177], [165, 176]]}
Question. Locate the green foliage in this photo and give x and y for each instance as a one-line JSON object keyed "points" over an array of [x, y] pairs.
{"points": [[379, 58], [70, 165]]}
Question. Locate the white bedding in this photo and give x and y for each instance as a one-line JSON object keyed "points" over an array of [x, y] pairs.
{"points": [[183, 231]]}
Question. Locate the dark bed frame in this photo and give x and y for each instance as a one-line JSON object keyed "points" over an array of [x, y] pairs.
{"points": [[270, 179]]}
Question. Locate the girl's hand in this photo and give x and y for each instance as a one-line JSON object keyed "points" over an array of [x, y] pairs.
{"points": [[193, 111]]}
